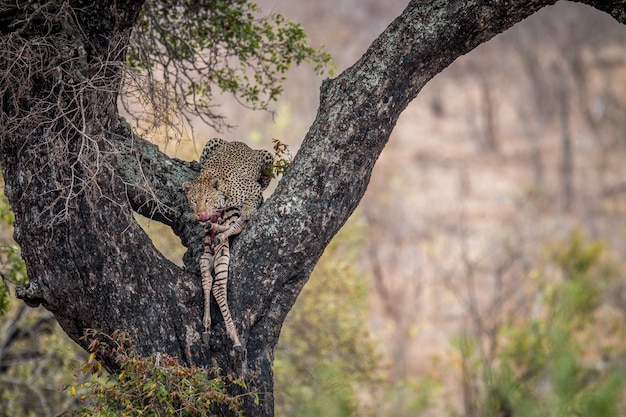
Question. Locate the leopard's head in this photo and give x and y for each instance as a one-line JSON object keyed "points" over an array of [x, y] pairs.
{"points": [[205, 197]]}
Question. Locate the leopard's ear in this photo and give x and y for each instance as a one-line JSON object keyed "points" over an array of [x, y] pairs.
{"points": [[186, 186]]}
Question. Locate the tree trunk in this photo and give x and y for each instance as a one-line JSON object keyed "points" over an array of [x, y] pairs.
{"points": [[567, 153], [74, 173]]}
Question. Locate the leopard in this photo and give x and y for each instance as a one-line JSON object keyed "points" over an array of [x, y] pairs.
{"points": [[232, 174]]}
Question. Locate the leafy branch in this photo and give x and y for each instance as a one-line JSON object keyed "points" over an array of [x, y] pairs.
{"points": [[153, 386], [184, 52]]}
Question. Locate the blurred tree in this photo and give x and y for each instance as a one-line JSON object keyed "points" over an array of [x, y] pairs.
{"points": [[75, 171], [400, 297], [36, 360], [325, 357], [564, 359]]}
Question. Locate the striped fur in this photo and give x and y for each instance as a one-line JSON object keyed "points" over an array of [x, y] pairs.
{"points": [[214, 263]]}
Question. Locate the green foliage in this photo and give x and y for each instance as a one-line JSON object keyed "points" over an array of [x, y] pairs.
{"points": [[577, 260], [411, 396], [13, 268], [325, 356], [6, 214], [36, 360], [566, 360], [199, 46], [155, 386]]}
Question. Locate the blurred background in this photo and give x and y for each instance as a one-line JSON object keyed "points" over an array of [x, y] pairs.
{"points": [[483, 272]]}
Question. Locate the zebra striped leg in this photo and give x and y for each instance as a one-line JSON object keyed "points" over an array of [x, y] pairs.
{"points": [[222, 259], [234, 229], [206, 266]]}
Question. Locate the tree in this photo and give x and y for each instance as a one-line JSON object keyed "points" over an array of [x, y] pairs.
{"points": [[559, 359], [325, 357], [75, 171]]}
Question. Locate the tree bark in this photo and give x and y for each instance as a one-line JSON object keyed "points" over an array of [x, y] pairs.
{"points": [[74, 172]]}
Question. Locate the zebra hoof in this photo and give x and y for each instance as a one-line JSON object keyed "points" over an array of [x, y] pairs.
{"points": [[206, 337], [238, 348], [217, 240]]}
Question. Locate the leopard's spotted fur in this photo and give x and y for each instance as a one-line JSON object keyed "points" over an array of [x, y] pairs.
{"points": [[232, 175]]}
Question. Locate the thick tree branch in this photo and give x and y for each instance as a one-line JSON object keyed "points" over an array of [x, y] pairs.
{"points": [[153, 185], [357, 113], [616, 8]]}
